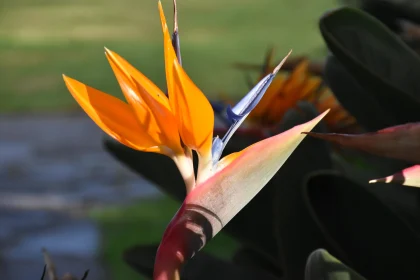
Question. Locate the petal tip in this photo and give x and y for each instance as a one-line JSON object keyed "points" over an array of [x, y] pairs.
{"points": [[108, 52], [277, 69], [68, 80], [320, 117], [162, 17]]}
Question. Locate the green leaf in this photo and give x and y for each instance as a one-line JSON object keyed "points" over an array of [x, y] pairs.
{"points": [[251, 258], [354, 97], [363, 231], [391, 12], [321, 265], [150, 166], [378, 60], [293, 225]]}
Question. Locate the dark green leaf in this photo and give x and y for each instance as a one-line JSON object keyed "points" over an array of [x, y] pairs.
{"points": [[321, 265], [150, 165], [355, 98], [248, 257], [362, 231], [390, 12], [378, 60], [293, 224]]}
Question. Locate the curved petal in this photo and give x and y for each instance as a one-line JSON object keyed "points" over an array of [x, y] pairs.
{"points": [[311, 86], [156, 118], [193, 111], [112, 115], [170, 56], [291, 92], [133, 74]]}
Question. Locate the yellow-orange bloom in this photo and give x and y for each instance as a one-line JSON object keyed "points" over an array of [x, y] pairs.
{"points": [[174, 126], [150, 121]]}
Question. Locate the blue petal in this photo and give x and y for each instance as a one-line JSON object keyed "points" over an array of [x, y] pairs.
{"points": [[240, 111], [217, 148], [248, 103], [218, 106]]}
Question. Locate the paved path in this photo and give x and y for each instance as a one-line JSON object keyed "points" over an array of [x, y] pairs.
{"points": [[51, 167]]}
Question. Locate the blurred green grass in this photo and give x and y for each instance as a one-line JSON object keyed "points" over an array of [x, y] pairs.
{"points": [[40, 40], [143, 223]]}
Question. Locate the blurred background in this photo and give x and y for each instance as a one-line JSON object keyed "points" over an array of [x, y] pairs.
{"points": [[58, 188]]}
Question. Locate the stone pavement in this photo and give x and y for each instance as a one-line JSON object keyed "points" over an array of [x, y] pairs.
{"points": [[52, 169]]}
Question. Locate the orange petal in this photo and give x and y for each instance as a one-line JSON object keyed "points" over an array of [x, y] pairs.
{"points": [[311, 86], [170, 56], [112, 115], [194, 114], [158, 120], [135, 75], [298, 76], [164, 118]]}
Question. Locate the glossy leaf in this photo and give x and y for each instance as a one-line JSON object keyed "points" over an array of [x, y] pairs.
{"points": [[347, 214], [293, 241], [150, 166], [321, 265], [378, 60], [354, 98], [390, 12], [398, 142], [248, 257], [408, 177]]}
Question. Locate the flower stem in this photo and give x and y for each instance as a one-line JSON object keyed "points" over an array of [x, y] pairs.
{"points": [[184, 162], [205, 165]]}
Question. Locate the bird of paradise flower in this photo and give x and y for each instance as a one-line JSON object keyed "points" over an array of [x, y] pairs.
{"points": [[287, 89], [176, 126]]}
